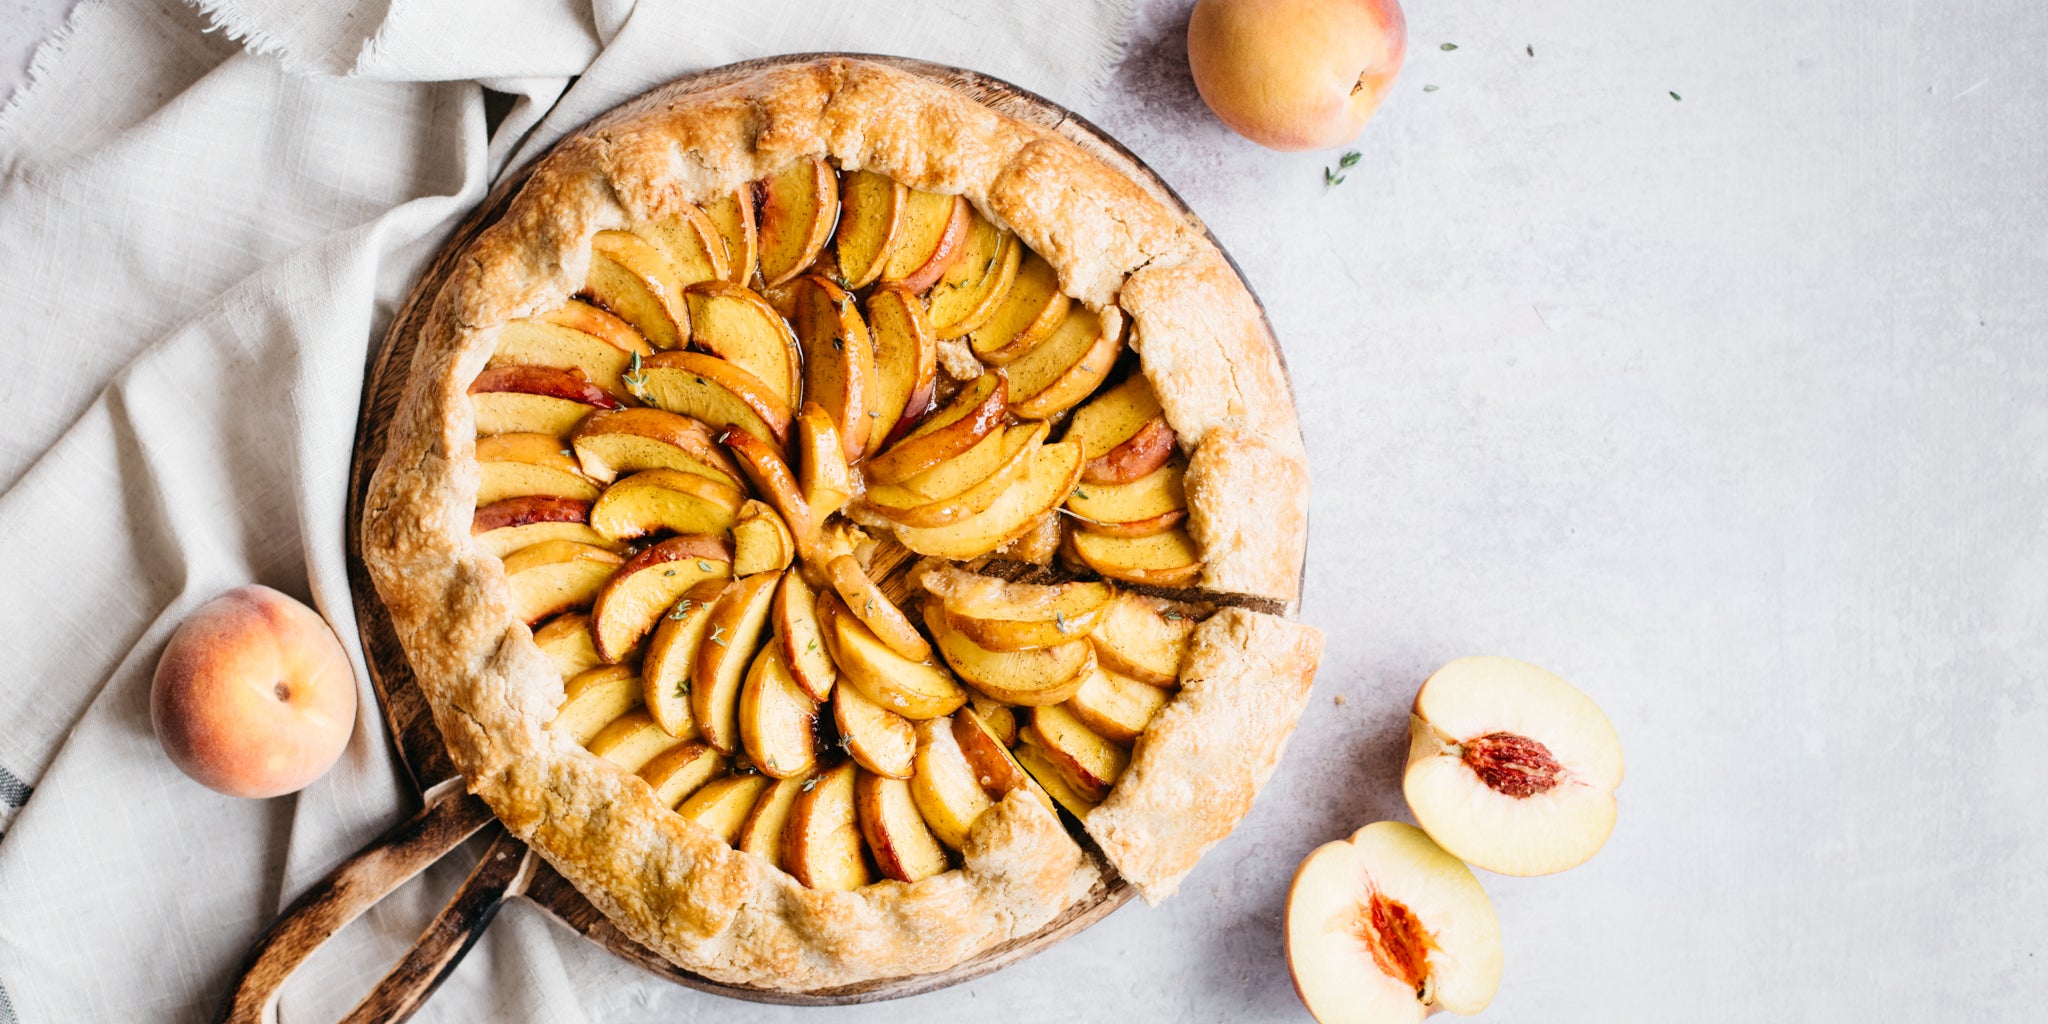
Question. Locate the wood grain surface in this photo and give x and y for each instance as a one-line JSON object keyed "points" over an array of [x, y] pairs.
{"points": [[404, 707]]}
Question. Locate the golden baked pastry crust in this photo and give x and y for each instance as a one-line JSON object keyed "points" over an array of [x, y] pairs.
{"points": [[727, 915]]}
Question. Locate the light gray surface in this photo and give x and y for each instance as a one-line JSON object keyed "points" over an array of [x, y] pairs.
{"points": [[1730, 409]]}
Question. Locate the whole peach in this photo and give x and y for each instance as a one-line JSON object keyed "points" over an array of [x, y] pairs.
{"points": [[254, 695], [1296, 74]]}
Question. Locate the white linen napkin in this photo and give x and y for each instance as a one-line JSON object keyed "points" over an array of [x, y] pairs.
{"points": [[207, 216]]}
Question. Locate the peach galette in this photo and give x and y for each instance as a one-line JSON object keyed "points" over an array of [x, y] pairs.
{"points": [[838, 526]]}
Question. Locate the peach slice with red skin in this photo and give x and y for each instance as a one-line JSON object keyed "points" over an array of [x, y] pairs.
{"points": [[534, 399], [665, 500], [737, 325], [680, 771], [1511, 768], [1138, 456], [870, 218], [503, 527], [906, 360], [725, 655], [629, 604], [556, 576], [947, 789], [902, 843], [795, 209], [1028, 312], [839, 361], [612, 444], [733, 215], [967, 294], [671, 656], [1385, 926], [931, 238], [975, 412], [823, 840], [527, 465], [714, 391]]}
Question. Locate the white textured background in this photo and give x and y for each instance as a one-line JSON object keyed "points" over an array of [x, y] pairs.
{"points": [[1732, 409]]}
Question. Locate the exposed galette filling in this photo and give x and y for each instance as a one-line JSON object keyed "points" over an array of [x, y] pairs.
{"points": [[710, 476]]}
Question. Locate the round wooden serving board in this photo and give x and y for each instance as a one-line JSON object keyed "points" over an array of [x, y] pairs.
{"points": [[405, 708]]}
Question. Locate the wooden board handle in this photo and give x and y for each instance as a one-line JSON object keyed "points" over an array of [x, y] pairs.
{"points": [[450, 817]]}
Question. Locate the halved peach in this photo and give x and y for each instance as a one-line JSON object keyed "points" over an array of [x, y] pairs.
{"points": [[672, 655], [722, 805], [537, 342], [1165, 559], [534, 399], [870, 214], [1116, 706], [528, 465], [823, 841], [797, 206], [1037, 676], [631, 740], [874, 609], [633, 279], [725, 655], [714, 391], [1068, 365], [903, 845], [761, 541], [945, 787], [656, 500], [839, 360], [777, 718], [823, 475], [1088, 762], [974, 413], [688, 237], [1145, 638], [555, 576], [565, 639], [1029, 311], [968, 294], [1054, 470], [881, 740], [900, 504], [733, 215], [804, 649], [505, 526], [681, 770], [931, 239], [737, 325], [610, 444], [629, 604], [906, 360], [594, 699], [909, 687]]}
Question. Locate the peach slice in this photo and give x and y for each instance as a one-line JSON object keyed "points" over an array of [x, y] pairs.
{"points": [[797, 208], [1068, 364], [944, 786], [738, 326], [1385, 926], [534, 399], [722, 805], [682, 770], [631, 740], [672, 655], [1510, 767], [566, 641], [883, 741], [629, 604], [1145, 638], [771, 476], [577, 315], [1147, 450], [1123, 433], [900, 504], [527, 464], [909, 687], [595, 699], [1147, 505], [992, 762], [538, 342], [725, 655], [714, 391], [555, 576], [870, 217], [733, 215], [1164, 559], [503, 527], [1004, 616], [635, 281], [960, 472], [1054, 470], [1036, 543], [691, 242], [974, 413], [611, 444], [874, 609], [823, 840], [1087, 761], [1116, 706], [968, 294], [903, 845], [839, 360], [1028, 313], [906, 361], [1000, 718], [777, 718], [930, 240], [795, 615], [761, 834], [1055, 785], [1046, 675], [761, 540], [657, 500], [823, 476]]}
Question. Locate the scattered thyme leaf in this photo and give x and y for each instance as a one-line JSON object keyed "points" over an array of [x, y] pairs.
{"points": [[1531, 48], [668, 572], [1059, 622], [1329, 178], [1448, 47], [635, 380], [1349, 160], [1173, 615], [705, 566], [810, 784], [813, 648], [1677, 97], [838, 344], [1083, 495], [682, 609], [683, 688], [1429, 88], [718, 635]]}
